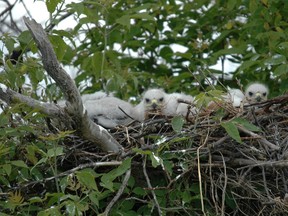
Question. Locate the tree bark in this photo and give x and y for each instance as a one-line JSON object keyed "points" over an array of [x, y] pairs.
{"points": [[74, 113]]}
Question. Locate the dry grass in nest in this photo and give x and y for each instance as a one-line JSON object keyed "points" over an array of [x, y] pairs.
{"points": [[247, 178]]}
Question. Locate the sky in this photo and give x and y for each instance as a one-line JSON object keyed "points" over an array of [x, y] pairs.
{"points": [[39, 12]]}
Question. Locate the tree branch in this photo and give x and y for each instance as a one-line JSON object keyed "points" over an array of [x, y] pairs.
{"points": [[119, 193], [74, 107]]}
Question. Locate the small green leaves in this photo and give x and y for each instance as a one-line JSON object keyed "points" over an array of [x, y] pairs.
{"points": [[52, 4], [54, 152], [108, 178], [177, 123], [19, 163], [59, 46], [87, 178], [25, 37], [124, 20], [232, 130], [156, 160], [246, 124]]}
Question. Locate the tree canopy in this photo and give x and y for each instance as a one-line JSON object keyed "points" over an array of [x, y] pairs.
{"points": [[127, 47]]}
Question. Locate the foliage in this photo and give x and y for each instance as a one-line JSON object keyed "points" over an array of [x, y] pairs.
{"points": [[127, 47]]}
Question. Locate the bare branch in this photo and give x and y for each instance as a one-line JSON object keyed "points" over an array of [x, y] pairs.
{"points": [[150, 186], [261, 139], [74, 110], [8, 9], [119, 193]]}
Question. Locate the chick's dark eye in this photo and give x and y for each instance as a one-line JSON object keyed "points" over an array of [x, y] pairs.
{"points": [[250, 93], [264, 94], [147, 100], [161, 99]]}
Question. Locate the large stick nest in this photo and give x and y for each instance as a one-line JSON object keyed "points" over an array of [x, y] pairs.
{"points": [[244, 177]]}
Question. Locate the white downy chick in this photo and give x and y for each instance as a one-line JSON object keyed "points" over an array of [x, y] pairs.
{"points": [[256, 92], [235, 96], [96, 96], [174, 107], [152, 103], [109, 112]]}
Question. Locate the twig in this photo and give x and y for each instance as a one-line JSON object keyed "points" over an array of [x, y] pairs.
{"points": [[265, 183], [267, 164], [119, 193], [224, 187], [150, 186], [200, 180], [179, 177], [9, 8], [212, 191], [80, 167], [261, 139], [218, 142]]}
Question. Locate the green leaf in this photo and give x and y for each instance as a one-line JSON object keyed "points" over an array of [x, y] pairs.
{"points": [[186, 196], [7, 168], [51, 211], [4, 181], [52, 4], [25, 37], [231, 4], [4, 120], [166, 52], [229, 51], [19, 163], [35, 200], [144, 16], [139, 191], [94, 197], [124, 20], [168, 166], [184, 55], [86, 178], [59, 46], [3, 150], [9, 43], [247, 64], [232, 130], [230, 201], [108, 178], [36, 173], [54, 152], [156, 160], [177, 123], [246, 124], [140, 151], [281, 70], [276, 60], [283, 45]]}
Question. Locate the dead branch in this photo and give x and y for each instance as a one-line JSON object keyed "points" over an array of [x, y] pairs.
{"points": [[261, 139], [150, 186], [74, 107], [119, 193]]}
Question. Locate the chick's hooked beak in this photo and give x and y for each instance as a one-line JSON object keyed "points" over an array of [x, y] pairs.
{"points": [[154, 104], [258, 97]]}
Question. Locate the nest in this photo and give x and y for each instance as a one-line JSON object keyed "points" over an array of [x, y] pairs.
{"points": [[235, 177]]}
